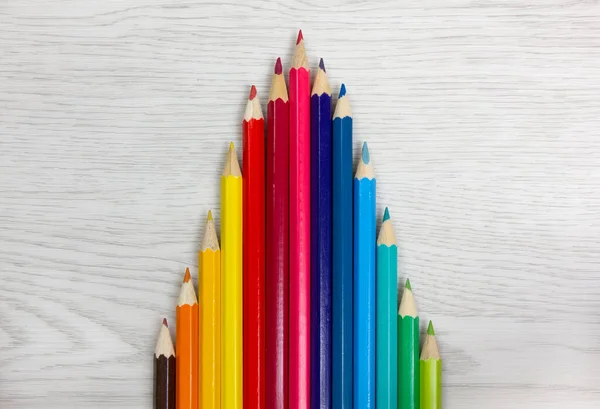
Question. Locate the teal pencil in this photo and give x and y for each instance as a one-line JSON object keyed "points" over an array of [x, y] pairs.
{"points": [[386, 362]]}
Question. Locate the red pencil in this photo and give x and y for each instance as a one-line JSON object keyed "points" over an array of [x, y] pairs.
{"points": [[253, 130], [299, 229], [277, 242]]}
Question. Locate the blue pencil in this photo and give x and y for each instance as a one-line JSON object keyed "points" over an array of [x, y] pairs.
{"points": [[364, 283], [341, 354], [320, 252]]}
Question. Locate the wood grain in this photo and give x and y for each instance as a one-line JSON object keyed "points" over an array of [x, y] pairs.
{"points": [[482, 120]]}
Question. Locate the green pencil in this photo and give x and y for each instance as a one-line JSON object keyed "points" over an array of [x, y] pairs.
{"points": [[408, 352], [431, 372]]}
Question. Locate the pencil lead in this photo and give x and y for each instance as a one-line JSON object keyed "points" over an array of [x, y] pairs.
{"points": [[187, 277], [165, 323], [278, 67], [300, 37], [252, 93], [407, 285], [386, 214], [231, 146], [430, 330], [209, 218], [322, 65], [366, 157], [342, 91]]}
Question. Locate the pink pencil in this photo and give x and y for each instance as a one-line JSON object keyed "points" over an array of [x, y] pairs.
{"points": [[299, 358]]}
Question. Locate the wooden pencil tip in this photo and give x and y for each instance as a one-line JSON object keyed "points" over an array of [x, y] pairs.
{"points": [[165, 323], [231, 146], [278, 67], [366, 157], [342, 91], [386, 214], [187, 277], [322, 65], [209, 218], [300, 37], [430, 330], [407, 285], [252, 93]]}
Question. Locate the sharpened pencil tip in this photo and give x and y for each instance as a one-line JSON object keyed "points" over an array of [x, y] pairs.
{"points": [[386, 214], [278, 67], [165, 323], [407, 285], [322, 65], [366, 157], [187, 277], [300, 37], [430, 330], [231, 146], [209, 218], [342, 91], [252, 93]]}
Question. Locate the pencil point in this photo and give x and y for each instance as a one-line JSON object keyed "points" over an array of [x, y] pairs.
{"points": [[165, 323], [386, 214], [300, 37], [430, 330], [231, 147], [366, 157], [209, 218], [278, 67], [187, 277], [252, 93], [342, 91], [407, 285], [322, 65]]}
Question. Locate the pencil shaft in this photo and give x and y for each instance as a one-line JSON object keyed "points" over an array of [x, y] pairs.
{"points": [[209, 289], [408, 362], [277, 254], [299, 347], [231, 292], [342, 264], [164, 382], [321, 241], [364, 293], [187, 356], [387, 327], [253, 132], [431, 384]]}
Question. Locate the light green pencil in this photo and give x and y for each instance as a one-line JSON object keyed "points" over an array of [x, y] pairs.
{"points": [[431, 372], [408, 352]]}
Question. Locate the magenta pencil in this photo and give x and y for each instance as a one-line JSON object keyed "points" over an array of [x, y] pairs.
{"points": [[299, 284]]}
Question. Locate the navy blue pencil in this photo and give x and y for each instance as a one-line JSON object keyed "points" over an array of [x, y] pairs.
{"points": [[341, 354], [321, 241]]}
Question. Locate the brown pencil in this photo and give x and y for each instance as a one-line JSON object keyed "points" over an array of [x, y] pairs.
{"points": [[164, 370]]}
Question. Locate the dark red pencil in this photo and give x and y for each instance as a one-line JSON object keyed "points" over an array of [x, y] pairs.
{"points": [[277, 242], [164, 370], [253, 173]]}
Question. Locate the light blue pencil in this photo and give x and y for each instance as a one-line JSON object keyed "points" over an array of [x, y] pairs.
{"points": [[364, 283]]}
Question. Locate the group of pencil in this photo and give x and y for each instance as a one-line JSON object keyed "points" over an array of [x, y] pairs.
{"points": [[297, 306]]}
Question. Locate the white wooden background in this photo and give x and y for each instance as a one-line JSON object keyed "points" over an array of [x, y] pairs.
{"points": [[483, 119]]}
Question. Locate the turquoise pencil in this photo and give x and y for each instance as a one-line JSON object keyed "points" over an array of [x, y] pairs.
{"points": [[386, 363], [364, 283]]}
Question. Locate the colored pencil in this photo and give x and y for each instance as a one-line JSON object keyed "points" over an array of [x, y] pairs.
{"points": [[299, 284], [209, 293], [408, 351], [387, 320], [186, 347], [231, 283], [364, 282], [341, 354], [164, 370], [277, 242], [253, 133], [320, 210], [431, 372]]}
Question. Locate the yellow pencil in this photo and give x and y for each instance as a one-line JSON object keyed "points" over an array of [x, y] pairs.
{"points": [[209, 290], [231, 283]]}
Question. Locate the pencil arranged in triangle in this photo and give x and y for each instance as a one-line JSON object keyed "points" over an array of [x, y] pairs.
{"points": [[431, 372], [408, 351], [187, 345], [164, 370]]}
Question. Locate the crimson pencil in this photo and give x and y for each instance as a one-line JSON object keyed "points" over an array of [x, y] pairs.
{"points": [[277, 243], [299, 396], [253, 133]]}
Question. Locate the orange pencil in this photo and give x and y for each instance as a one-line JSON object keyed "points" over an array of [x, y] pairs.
{"points": [[186, 347]]}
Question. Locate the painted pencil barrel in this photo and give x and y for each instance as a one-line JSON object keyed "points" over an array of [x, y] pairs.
{"points": [[431, 384], [164, 382], [387, 327], [364, 293], [408, 362], [342, 324]]}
